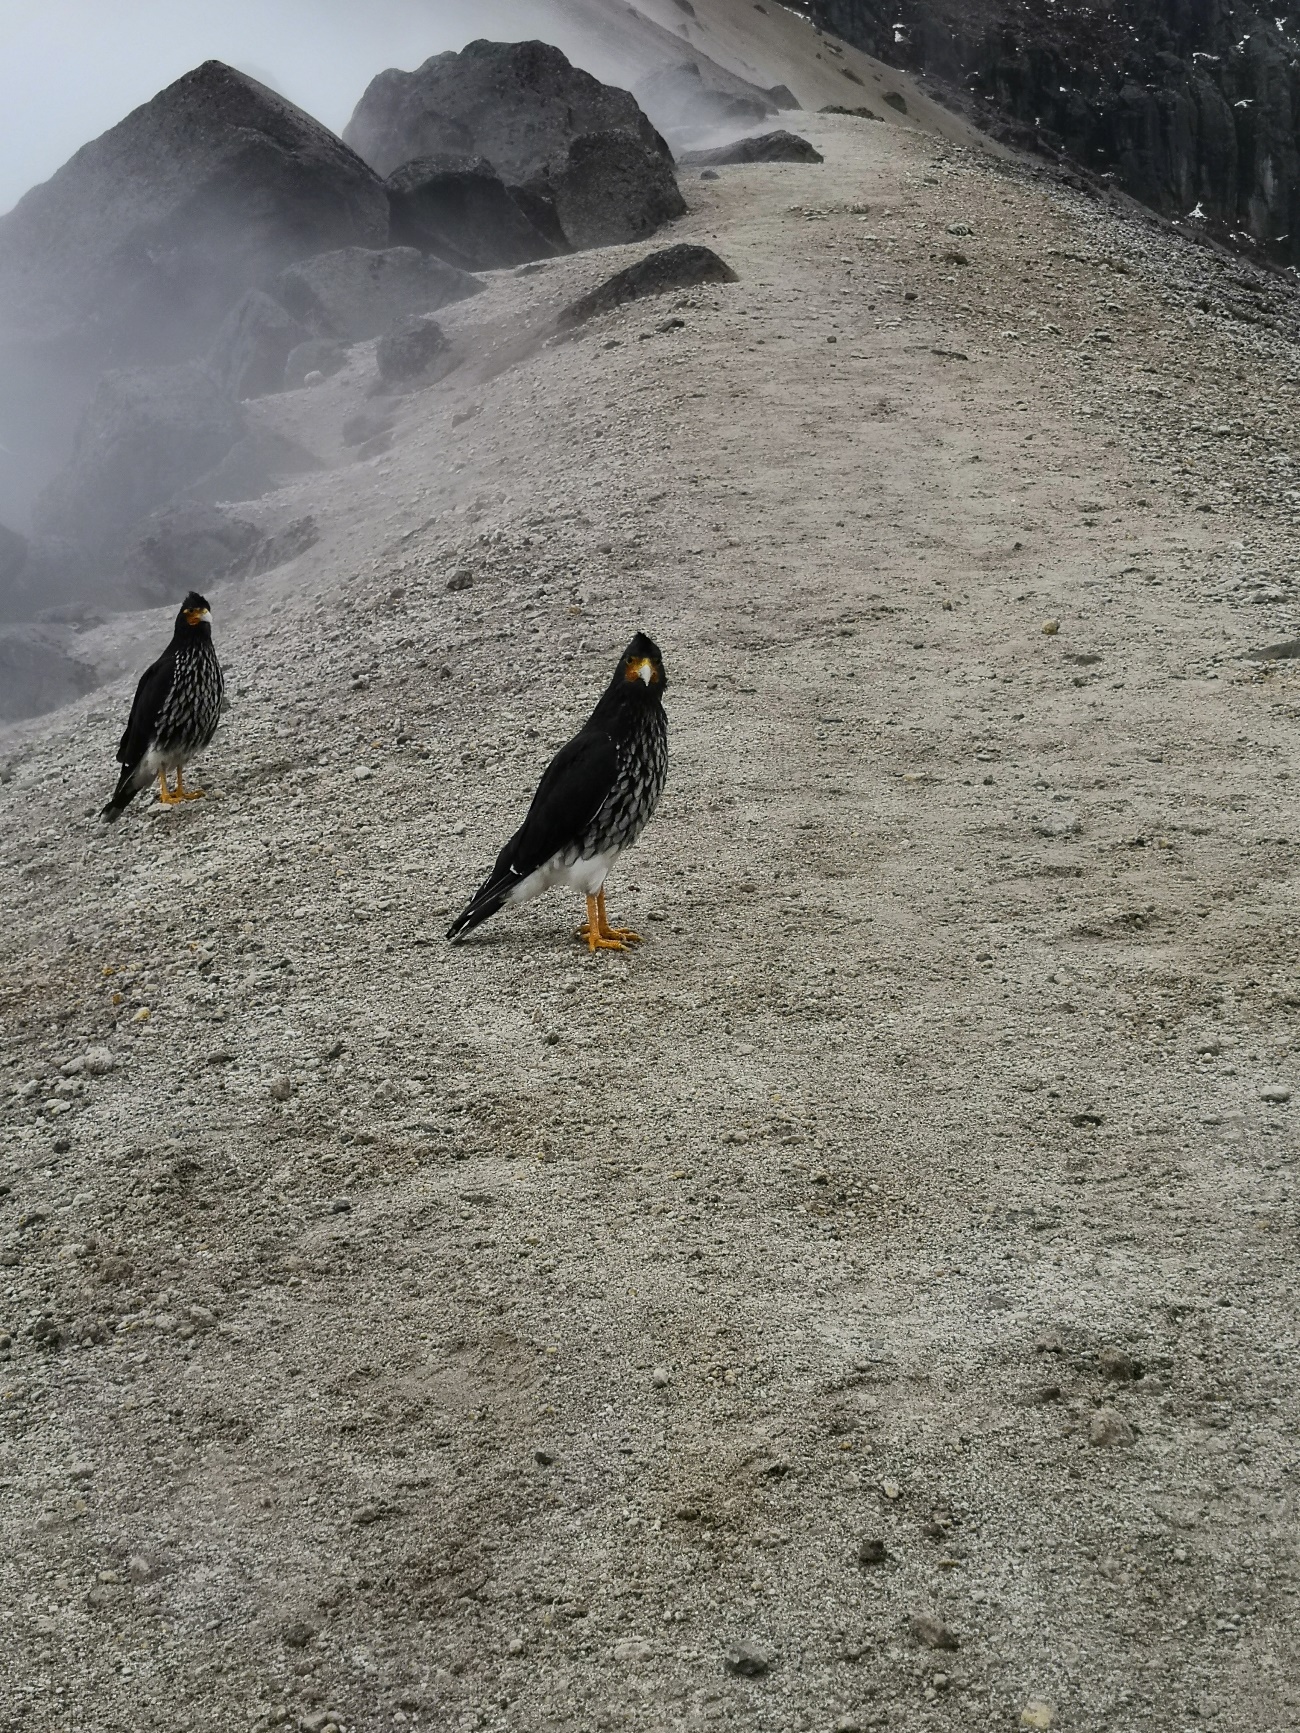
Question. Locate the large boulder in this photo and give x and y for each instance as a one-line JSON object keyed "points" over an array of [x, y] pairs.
{"points": [[358, 293], [253, 344], [609, 189], [136, 249], [461, 209], [519, 104], [147, 236], [146, 433]]}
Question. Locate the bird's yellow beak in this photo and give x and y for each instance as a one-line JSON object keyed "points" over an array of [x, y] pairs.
{"points": [[644, 669], [196, 616]]}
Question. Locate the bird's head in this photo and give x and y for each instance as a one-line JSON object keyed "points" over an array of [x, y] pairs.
{"points": [[642, 666], [195, 614]]}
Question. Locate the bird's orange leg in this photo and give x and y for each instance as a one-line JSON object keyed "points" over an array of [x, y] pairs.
{"points": [[624, 935], [597, 939], [183, 793], [165, 794]]}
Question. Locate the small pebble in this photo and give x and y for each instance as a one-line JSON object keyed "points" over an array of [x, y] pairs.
{"points": [[632, 1649], [873, 1551], [929, 1629], [1114, 1363], [1108, 1429], [660, 1377], [1037, 1713], [1051, 628], [281, 1089], [1276, 1094], [747, 1660]]}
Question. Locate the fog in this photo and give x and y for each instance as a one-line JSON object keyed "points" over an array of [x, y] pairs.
{"points": [[69, 69]]}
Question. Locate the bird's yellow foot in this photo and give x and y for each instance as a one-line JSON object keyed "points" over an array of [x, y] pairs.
{"points": [[165, 794], [625, 935], [183, 793], [596, 942]]}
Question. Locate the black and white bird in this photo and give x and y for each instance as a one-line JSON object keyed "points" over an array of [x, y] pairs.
{"points": [[593, 802], [175, 712]]}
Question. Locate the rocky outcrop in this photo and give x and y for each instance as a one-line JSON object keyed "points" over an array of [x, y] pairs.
{"points": [[137, 248], [146, 434], [460, 209], [358, 293], [680, 267], [760, 147], [1191, 107], [519, 104]]}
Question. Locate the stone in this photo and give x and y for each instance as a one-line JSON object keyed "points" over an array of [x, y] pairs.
{"points": [[710, 174], [780, 146], [747, 1660], [632, 1649], [1108, 1429], [1278, 1094], [254, 342], [661, 1377], [281, 1089], [608, 189], [930, 1630], [358, 293], [146, 434], [518, 104], [1037, 1712], [461, 209], [314, 361], [417, 350], [1050, 628], [99, 1061], [872, 1551], [1116, 1364], [682, 266], [136, 250], [460, 581]]}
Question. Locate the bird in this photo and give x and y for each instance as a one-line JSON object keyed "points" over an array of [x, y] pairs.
{"points": [[174, 714], [593, 801]]}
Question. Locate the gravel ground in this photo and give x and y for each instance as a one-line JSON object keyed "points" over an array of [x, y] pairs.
{"points": [[872, 1302]]}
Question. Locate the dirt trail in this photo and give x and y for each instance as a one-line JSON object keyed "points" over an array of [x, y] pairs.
{"points": [[496, 1337]]}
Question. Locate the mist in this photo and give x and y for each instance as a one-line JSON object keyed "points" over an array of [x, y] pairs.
{"points": [[70, 69]]}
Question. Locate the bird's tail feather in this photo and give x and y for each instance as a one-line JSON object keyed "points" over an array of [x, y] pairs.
{"points": [[123, 795], [482, 906]]}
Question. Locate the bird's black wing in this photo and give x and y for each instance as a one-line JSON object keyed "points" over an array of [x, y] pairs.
{"points": [[150, 694], [574, 786]]}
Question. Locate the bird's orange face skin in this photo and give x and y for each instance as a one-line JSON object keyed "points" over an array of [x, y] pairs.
{"points": [[194, 616], [643, 668]]}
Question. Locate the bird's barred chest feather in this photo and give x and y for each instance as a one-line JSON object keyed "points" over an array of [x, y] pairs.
{"points": [[642, 770], [192, 708]]}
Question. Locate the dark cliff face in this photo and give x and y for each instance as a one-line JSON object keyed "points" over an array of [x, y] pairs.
{"points": [[1192, 106]]}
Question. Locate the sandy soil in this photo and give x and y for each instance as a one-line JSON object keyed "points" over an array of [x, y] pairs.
{"points": [[505, 1338]]}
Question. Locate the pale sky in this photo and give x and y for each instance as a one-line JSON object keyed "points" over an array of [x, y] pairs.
{"points": [[70, 69]]}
